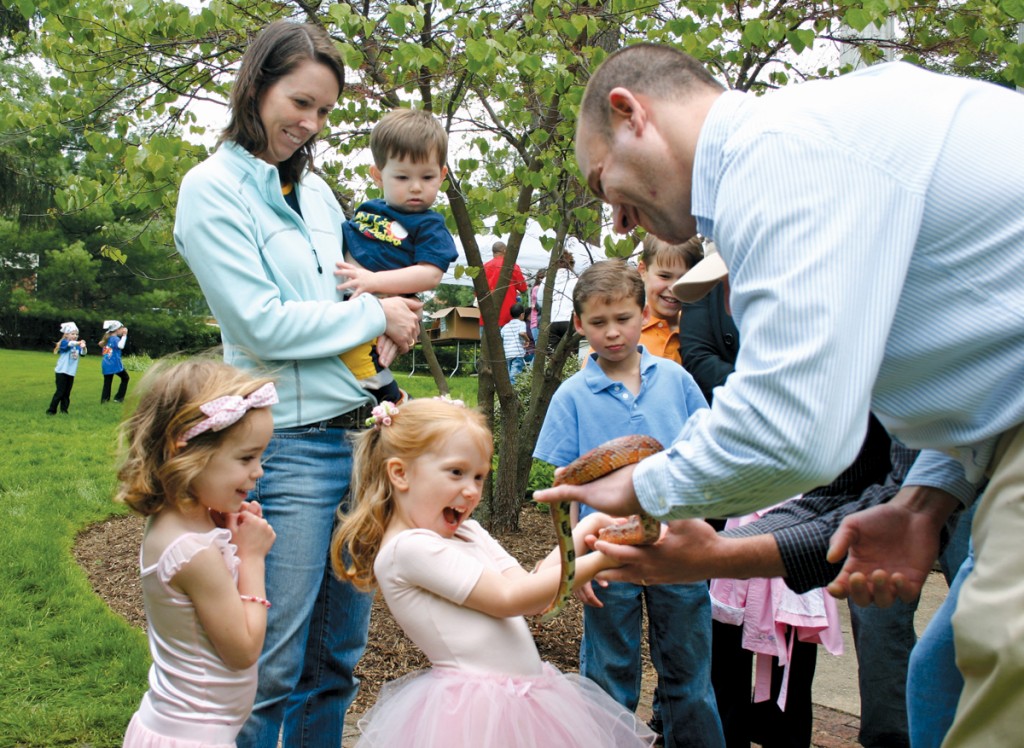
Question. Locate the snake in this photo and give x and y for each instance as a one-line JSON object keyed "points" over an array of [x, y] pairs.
{"points": [[639, 529]]}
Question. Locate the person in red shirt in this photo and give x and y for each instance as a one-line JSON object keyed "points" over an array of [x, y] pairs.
{"points": [[517, 283]]}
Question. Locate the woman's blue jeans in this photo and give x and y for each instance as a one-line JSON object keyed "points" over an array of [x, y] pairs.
{"points": [[933, 680], [317, 626]]}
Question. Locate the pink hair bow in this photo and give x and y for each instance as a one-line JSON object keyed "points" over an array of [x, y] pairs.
{"points": [[381, 415], [228, 410]]}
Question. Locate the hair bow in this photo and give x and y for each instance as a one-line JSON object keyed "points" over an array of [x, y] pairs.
{"points": [[228, 410], [381, 415], [450, 400]]}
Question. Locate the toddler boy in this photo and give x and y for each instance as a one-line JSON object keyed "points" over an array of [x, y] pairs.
{"points": [[628, 390], [397, 245], [515, 338]]}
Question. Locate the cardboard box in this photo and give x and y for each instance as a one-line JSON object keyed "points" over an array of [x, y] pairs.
{"points": [[455, 323]]}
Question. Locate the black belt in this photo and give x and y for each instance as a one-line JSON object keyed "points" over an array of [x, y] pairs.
{"points": [[354, 419]]}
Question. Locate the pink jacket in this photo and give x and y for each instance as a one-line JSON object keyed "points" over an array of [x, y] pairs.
{"points": [[765, 608]]}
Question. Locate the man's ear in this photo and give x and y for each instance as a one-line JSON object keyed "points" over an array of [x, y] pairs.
{"points": [[444, 173], [397, 474], [376, 176], [626, 107], [577, 324]]}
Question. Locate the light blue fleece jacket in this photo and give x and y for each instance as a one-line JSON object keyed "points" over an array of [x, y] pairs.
{"points": [[268, 276]]}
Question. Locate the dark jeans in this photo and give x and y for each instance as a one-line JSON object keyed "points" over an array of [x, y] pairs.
{"points": [[122, 388], [764, 723], [557, 331], [62, 396], [884, 638]]}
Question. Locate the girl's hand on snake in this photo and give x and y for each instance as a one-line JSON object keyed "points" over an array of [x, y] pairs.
{"points": [[678, 557], [612, 494], [592, 523]]}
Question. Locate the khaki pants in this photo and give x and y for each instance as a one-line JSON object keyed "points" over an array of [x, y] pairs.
{"points": [[988, 624]]}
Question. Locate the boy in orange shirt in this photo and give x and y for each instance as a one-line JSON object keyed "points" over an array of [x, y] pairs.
{"points": [[662, 264]]}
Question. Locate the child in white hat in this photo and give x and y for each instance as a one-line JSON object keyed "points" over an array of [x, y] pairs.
{"points": [[68, 349], [115, 335]]}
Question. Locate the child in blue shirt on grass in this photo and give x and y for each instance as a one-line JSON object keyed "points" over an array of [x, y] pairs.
{"points": [[68, 349], [627, 390]]}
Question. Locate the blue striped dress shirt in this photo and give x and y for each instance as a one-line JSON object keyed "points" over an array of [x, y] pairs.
{"points": [[873, 226]]}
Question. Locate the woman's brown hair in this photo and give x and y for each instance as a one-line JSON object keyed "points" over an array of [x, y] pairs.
{"points": [[274, 53]]}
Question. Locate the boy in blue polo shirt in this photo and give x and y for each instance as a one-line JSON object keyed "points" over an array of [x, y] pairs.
{"points": [[627, 390]]}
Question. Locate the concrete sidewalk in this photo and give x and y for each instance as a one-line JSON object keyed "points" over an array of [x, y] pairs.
{"points": [[836, 697]]}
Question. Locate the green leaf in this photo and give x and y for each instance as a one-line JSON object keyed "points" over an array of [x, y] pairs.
{"points": [[1013, 8], [800, 39], [753, 33], [857, 19], [397, 22], [113, 253]]}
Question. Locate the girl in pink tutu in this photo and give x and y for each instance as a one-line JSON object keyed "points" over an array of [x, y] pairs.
{"points": [[461, 597], [194, 449]]}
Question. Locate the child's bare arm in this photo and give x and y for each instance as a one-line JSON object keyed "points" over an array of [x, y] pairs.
{"points": [[414, 279], [517, 593], [235, 627]]}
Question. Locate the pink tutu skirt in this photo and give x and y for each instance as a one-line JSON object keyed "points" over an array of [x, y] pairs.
{"points": [[448, 708]]}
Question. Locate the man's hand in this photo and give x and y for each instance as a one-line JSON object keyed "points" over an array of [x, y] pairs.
{"points": [[890, 548], [613, 494], [403, 327], [691, 551]]}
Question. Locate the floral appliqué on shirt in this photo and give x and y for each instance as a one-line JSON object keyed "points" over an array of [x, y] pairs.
{"points": [[381, 228]]}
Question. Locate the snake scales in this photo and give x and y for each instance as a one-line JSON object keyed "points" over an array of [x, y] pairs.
{"points": [[598, 462]]}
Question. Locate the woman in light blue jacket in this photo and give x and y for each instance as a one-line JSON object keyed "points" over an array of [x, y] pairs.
{"points": [[262, 233]]}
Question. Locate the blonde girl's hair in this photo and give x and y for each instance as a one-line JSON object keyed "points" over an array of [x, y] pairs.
{"points": [[158, 467], [420, 426]]}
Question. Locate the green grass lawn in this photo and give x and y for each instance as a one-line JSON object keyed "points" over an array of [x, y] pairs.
{"points": [[71, 671]]}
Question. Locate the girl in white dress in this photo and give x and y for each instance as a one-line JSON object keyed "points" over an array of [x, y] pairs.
{"points": [[194, 448], [461, 597]]}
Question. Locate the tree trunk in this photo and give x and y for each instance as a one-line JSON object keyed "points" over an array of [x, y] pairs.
{"points": [[435, 368]]}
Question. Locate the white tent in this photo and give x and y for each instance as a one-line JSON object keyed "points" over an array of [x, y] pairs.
{"points": [[532, 255]]}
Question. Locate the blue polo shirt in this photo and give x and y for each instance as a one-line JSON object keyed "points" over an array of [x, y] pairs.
{"points": [[589, 409]]}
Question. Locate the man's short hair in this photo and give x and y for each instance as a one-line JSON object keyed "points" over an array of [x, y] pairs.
{"points": [[414, 134], [608, 281], [516, 310], [498, 248], [652, 69]]}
